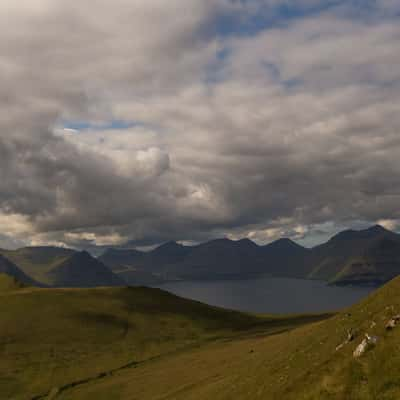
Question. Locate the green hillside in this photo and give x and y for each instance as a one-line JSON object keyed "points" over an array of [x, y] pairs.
{"points": [[9, 283], [54, 337], [313, 362]]}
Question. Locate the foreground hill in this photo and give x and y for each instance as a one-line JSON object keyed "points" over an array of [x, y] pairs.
{"points": [[126, 343], [9, 283], [312, 362], [53, 338]]}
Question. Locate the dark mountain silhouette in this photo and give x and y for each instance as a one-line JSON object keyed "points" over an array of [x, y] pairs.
{"points": [[83, 270], [369, 256], [286, 258], [121, 259], [220, 258], [350, 257]]}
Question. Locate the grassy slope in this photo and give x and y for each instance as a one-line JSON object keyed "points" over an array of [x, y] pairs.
{"points": [[296, 365], [9, 283], [52, 337]]}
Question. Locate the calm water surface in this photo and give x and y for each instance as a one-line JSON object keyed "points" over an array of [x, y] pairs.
{"points": [[269, 295]]}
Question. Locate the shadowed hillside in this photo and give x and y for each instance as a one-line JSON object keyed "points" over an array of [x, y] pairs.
{"points": [[313, 362], [38, 261], [54, 337], [9, 268], [82, 270], [54, 266]]}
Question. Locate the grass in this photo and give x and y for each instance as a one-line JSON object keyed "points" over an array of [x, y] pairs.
{"points": [[53, 338], [297, 364], [125, 343]]}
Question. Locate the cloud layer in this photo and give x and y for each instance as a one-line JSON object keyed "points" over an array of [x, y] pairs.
{"points": [[185, 120]]}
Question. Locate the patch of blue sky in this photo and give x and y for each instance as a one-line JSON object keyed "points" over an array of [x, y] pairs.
{"points": [[104, 126], [285, 12], [215, 71]]}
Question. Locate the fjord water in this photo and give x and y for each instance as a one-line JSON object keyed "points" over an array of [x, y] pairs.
{"points": [[269, 295]]}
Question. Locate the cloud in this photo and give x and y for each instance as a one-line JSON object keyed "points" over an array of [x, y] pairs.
{"points": [[188, 133]]}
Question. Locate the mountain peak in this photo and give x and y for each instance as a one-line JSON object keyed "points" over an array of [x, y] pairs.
{"points": [[370, 232], [247, 242], [169, 245], [377, 229], [284, 242], [83, 270]]}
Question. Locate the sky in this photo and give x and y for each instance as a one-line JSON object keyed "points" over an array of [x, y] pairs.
{"points": [[144, 121]]}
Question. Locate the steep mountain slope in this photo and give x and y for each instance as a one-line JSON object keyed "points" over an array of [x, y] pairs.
{"points": [[313, 362], [10, 269], [82, 270], [286, 258], [376, 265], [36, 262], [121, 259], [329, 259], [52, 338], [221, 258]]}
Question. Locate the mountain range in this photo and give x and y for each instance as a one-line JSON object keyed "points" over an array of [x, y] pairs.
{"points": [[370, 256], [365, 257]]}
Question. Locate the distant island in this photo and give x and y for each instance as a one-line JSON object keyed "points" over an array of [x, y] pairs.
{"points": [[365, 257]]}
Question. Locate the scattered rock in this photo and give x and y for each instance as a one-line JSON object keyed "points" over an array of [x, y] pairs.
{"points": [[373, 324], [372, 339], [391, 324], [340, 346], [350, 338], [350, 335], [366, 343]]}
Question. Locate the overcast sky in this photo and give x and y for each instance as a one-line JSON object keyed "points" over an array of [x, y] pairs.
{"points": [[153, 120]]}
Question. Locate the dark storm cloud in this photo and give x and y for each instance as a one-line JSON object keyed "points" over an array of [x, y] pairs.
{"points": [[300, 128]]}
